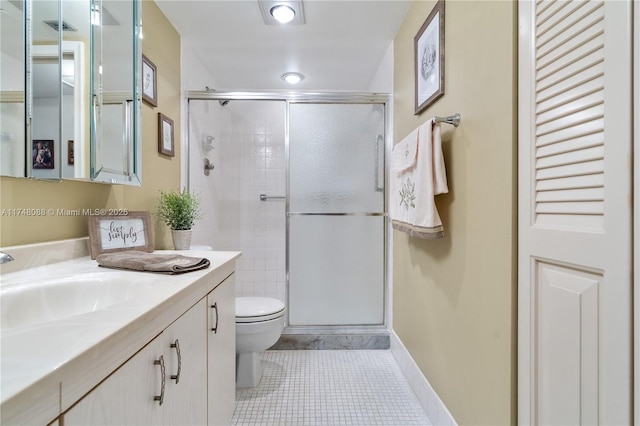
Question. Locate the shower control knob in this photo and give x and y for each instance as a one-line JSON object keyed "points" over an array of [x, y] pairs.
{"points": [[208, 166]]}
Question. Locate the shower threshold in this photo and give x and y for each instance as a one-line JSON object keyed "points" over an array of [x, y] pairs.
{"points": [[333, 337]]}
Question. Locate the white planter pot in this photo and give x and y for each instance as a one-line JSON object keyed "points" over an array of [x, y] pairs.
{"points": [[181, 239]]}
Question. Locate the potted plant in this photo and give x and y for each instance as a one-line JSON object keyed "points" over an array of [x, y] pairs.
{"points": [[179, 210]]}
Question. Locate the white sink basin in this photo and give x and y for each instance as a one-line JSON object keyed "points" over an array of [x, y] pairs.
{"points": [[28, 304]]}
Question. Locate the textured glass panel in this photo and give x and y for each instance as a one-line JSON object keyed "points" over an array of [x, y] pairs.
{"points": [[336, 270], [335, 155]]}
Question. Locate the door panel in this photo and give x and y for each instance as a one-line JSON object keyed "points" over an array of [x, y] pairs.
{"points": [[568, 338], [336, 219], [574, 284]]}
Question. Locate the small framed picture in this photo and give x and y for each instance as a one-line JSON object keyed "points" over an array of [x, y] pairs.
{"points": [[70, 154], [43, 154], [165, 135], [429, 59], [130, 231], [149, 83]]}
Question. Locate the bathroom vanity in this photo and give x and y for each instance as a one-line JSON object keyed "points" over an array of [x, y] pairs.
{"points": [[160, 351]]}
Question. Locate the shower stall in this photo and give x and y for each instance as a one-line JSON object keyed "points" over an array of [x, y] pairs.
{"points": [[296, 182]]}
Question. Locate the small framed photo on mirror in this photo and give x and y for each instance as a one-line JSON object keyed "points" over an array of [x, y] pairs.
{"points": [[43, 154], [149, 82], [165, 135], [70, 153]]}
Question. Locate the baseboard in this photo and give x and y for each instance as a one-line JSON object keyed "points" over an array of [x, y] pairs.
{"points": [[429, 399]]}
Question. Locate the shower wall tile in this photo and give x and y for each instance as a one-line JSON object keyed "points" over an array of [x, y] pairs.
{"points": [[250, 157]]}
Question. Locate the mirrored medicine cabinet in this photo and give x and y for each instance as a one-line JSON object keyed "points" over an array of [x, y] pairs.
{"points": [[69, 90]]}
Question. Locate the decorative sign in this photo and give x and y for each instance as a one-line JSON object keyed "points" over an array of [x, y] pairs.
{"points": [[131, 231]]}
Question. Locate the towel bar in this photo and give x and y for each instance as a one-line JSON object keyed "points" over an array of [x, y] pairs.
{"points": [[265, 197], [452, 119]]}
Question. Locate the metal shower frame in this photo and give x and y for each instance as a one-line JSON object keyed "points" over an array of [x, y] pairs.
{"points": [[326, 98]]}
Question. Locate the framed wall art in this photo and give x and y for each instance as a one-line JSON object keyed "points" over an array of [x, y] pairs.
{"points": [[111, 233], [43, 154], [149, 82], [165, 135], [429, 59]]}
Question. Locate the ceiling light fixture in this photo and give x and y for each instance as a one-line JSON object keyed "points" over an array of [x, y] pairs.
{"points": [[282, 13], [292, 77], [278, 12]]}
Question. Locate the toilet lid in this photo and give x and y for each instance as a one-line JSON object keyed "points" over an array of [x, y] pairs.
{"points": [[253, 309]]}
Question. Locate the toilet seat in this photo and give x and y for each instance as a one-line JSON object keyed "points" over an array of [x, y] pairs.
{"points": [[258, 309]]}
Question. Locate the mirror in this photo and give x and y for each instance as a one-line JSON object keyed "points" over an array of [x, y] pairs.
{"points": [[12, 89], [69, 104], [115, 112]]}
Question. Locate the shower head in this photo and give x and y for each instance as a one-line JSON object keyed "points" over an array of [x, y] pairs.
{"points": [[224, 102]]}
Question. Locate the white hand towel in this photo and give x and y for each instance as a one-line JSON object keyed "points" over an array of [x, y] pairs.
{"points": [[417, 175]]}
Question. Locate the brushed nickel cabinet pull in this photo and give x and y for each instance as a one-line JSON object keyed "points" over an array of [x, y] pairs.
{"points": [[160, 362], [176, 377], [215, 327]]}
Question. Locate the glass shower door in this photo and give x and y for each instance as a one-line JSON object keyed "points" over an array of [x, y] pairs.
{"points": [[336, 250]]}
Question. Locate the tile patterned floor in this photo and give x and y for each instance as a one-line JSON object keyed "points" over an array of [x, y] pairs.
{"points": [[332, 387]]}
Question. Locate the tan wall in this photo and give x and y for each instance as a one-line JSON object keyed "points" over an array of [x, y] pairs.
{"points": [[161, 44], [454, 299]]}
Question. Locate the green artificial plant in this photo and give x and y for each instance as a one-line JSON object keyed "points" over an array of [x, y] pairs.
{"points": [[179, 210]]}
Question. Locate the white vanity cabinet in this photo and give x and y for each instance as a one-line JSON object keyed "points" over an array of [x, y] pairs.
{"points": [[185, 397], [221, 366], [185, 376], [125, 397], [163, 384]]}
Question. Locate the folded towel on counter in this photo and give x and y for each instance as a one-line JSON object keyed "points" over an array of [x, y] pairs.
{"points": [[417, 175], [152, 262]]}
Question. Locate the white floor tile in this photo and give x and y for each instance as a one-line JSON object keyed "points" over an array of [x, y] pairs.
{"points": [[334, 387]]}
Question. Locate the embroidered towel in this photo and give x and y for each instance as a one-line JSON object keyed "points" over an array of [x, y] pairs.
{"points": [[417, 175]]}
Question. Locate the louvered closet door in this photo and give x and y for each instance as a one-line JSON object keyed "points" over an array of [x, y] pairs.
{"points": [[574, 311]]}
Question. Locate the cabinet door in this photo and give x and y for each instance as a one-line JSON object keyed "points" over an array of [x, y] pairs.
{"points": [[127, 396], [222, 352], [185, 349]]}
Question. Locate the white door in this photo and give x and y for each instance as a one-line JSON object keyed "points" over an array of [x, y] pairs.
{"points": [[575, 213]]}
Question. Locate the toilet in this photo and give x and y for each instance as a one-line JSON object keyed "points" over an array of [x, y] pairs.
{"points": [[259, 324]]}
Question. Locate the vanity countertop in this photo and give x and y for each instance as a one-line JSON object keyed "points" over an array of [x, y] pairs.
{"points": [[45, 368]]}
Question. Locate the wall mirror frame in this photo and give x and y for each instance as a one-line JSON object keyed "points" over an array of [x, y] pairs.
{"points": [[69, 90]]}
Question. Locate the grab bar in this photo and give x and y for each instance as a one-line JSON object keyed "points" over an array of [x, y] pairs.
{"points": [[265, 197]]}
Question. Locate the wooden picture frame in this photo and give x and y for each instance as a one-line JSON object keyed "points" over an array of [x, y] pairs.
{"points": [[112, 233], [429, 59], [165, 135], [70, 153], [43, 154], [149, 82]]}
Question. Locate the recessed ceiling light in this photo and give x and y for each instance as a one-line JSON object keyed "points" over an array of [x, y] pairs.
{"points": [[278, 12], [292, 77], [282, 13]]}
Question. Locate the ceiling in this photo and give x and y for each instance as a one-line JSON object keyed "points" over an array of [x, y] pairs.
{"points": [[339, 48]]}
